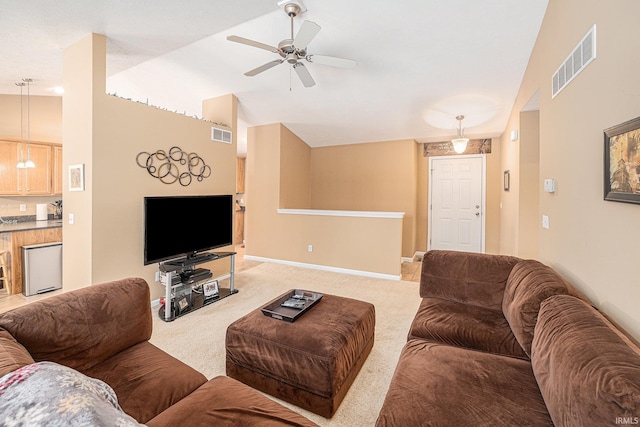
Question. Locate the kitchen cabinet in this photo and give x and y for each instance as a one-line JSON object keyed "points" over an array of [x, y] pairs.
{"points": [[38, 181], [240, 175], [8, 170], [57, 170], [239, 238]]}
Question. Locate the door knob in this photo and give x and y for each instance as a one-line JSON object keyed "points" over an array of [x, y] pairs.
{"points": [[477, 213]]}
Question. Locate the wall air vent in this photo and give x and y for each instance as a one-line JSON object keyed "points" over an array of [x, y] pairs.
{"points": [[221, 135], [581, 56]]}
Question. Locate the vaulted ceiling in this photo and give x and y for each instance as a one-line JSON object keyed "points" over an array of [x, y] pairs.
{"points": [[420, 62]]}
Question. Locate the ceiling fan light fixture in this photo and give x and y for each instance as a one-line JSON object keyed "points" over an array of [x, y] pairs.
{"points": [[460, 143], [292, 58]]}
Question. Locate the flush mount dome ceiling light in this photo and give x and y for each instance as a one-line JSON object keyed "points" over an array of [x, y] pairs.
{"points": [[460, 143]]}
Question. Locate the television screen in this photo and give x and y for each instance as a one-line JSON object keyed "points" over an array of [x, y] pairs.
{"points": [[177, 226]]}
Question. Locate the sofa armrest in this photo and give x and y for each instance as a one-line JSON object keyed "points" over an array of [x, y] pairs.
{"points": [[469, 278], [83, 327]]}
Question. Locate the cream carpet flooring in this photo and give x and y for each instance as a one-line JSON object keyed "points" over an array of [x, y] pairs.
{"points": [[198, 338]]}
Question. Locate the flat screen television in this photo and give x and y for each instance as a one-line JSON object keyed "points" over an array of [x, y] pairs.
{"points": [[184, 226]]}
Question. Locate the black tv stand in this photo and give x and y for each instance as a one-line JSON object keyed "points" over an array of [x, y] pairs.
{"points": [[183, 278]]}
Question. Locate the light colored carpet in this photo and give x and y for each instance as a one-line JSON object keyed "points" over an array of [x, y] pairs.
{"points": [[198, 338]]}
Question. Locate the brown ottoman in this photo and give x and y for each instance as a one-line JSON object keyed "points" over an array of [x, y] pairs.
{"points": [[311, 362]]}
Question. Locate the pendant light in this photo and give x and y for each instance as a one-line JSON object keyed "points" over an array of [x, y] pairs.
{"points": [[460, 143], [29, 163], [20, 164]]}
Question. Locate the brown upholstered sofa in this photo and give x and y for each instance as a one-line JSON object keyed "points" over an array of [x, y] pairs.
{"points": [[499, 340], [102, 331]]}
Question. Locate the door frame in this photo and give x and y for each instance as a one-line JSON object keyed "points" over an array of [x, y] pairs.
{"points": [[483, 197]]}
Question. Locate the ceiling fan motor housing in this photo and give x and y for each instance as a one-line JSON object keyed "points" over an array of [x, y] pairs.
{"points": [[288, 51]]}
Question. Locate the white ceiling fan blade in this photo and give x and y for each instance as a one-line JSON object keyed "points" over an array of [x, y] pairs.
{"points": [[264, 67], [253, 43], [304, 75], [332, 61], [306, 33]]}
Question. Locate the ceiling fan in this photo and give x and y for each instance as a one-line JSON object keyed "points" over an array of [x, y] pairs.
{"points": [[294, 49]]}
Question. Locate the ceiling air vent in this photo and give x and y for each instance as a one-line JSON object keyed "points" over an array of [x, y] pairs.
{"points": [[221, 135], [581, 56]]}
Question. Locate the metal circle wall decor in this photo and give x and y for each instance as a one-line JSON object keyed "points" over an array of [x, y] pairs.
{"points": [[167, 167]]}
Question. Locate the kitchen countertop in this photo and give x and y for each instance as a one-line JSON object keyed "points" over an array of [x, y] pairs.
{"points": [[30, 225]]}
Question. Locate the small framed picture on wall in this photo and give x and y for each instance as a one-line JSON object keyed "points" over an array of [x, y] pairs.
{"points": [[76, 177]]}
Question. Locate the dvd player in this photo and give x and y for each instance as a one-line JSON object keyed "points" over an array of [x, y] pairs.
{"points": [[193, 276]]}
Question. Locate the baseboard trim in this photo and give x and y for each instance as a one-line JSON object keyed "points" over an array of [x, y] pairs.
{"points": [[325, 268]]}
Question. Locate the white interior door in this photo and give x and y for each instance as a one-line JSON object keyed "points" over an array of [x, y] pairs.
{"points": [[456, 199]]}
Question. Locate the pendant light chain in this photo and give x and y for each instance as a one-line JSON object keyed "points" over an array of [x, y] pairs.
{"points": [[29, 163], [20, 164]]}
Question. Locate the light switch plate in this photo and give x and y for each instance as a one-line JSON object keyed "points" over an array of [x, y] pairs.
{"points": [[550, 185], [545, 221], [71, 218]]}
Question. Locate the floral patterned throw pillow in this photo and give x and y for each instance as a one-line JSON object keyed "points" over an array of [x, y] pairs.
{"points": [[48, 394]]}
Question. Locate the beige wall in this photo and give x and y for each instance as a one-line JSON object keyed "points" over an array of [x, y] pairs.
{"points": [[295, 171], [494, 191], [593, 243], [528, 184], [276, 171], [378, 176], [106, 134], [46, 117], [84, 73]]}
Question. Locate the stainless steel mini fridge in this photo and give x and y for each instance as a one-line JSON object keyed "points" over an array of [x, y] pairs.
{"points": [[42, 268]]}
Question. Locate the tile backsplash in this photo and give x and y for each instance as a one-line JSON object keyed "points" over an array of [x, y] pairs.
{"points": [[10, 207]]}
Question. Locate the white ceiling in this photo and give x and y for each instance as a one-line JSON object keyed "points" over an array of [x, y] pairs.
{"points": [[420, 62]]}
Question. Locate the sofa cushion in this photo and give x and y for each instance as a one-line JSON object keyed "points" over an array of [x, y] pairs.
{"points": [[48, 394], [12, 354], [529, 283], [588, 372], [464, 325], [437, 384], [470, 278], [147, 380], [82, 328], [223, 402]]}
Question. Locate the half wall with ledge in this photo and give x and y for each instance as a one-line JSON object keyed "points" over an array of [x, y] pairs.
{"points": [[364, 243]]}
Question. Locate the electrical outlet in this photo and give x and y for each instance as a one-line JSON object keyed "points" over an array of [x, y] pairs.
{"points": [[23, 207], [310, 248]]}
